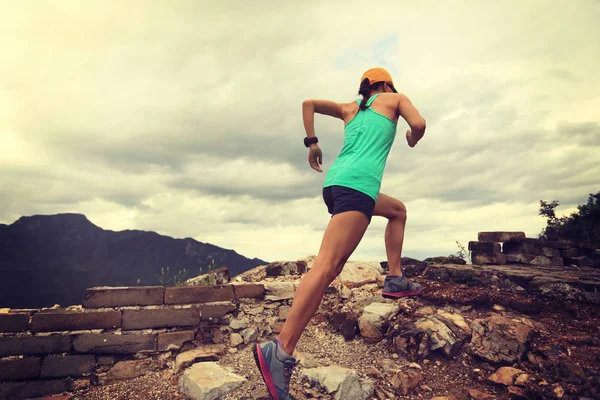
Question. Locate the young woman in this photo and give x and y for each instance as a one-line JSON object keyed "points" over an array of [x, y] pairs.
{"points": [[351, 194]]}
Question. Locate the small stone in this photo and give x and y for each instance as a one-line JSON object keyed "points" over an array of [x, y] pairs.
{"points": [[395, 356], [477, 395], [209, 380], [498, 307], [516, 391], [346, 293], [505, 375], [256, 311], [374, 372], [238, 324], [283, 312], [522, 380], [559, 392], [249, 335], [414, 365], [425, 311], [236, 339]]}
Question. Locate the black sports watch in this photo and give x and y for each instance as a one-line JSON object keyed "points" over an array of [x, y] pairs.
{"points": [[308, 141]]}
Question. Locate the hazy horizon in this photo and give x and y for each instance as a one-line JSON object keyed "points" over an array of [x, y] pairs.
{"points": [[185, 119]]}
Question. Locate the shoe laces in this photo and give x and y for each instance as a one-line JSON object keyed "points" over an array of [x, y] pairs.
{"points": [[287, 374]]}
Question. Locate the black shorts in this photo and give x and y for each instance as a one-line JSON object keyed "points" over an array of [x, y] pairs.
{"points": [[341, 198]]}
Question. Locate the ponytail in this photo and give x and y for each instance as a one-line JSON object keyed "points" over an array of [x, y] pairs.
{"points": [[365, 91]]}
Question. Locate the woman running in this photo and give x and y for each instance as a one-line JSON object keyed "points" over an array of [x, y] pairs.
{"points": [[351, 194]]}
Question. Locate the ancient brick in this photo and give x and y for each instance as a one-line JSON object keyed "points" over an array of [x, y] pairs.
{"points": [[67, 320], [249, 290], [72, 365], [513, 247], [106, 343], [23, 390], [550, 252], [499, 236], [484, 247], [123, 296], [198, 294], [174, 340], [12, 345], [160, 318], [570, 253], [19, 368], [17, 322], [127, 370], [105, 360], [518, 258], [486, 258], [216, 310]]}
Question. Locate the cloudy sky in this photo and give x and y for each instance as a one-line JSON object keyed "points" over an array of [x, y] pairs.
{"points": [[184, 117]]}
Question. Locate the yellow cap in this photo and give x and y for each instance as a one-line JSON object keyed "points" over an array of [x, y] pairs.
{"points": [[375, 75]]}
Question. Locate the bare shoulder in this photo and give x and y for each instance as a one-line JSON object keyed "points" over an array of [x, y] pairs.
{"points": [[349, 109]]}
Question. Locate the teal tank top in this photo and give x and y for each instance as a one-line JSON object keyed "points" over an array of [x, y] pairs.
{"points": [[368, 139]]}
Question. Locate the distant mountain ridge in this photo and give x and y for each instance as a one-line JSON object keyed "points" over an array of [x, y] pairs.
{"points": [[50, 259]]}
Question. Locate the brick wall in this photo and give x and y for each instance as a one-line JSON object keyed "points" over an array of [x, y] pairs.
{"points": [[114, 334]]}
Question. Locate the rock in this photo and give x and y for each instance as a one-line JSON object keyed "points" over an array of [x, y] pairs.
{"points": [[479, 258], [499, 236], [559, 392], [283, 312], [522, 380], [205, 353], [345, 322], [431, 333], [485, 247], [407, 380], [306, 360], [218, 276], [500, 340], [412, 267], [280, 268], [456, 319], [126, 370], [358, 273], [276, 291], [570, 369], [498, 307], [425, 311], [505, 375], [209, 381], [373, 319], [445, 260], [341, 383], [256, 310], [346, 293], [249, 335], [238, 323], [477, 395], [516, 392], [236, 339]]}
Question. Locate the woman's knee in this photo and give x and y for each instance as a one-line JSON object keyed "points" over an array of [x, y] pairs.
{"points": [[330, 269], [399, 210]]}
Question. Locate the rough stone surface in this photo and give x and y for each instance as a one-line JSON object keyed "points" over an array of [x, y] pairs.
{"points": [[127, 369], [488, 258], [19, 368], [499, 236], [444, 260], [498, 339], [250, 290], [124, 296], [215, 310], [341, 383], [505, 375], [160, 318], [70, 365], [280, 268], [485, 247], [174, 340], [198, 294], [407, 380], [209, 381], [10, 345], [236, 339], [373, 318], [249, 335], [67, 320], [204, 353], [22, 390], [283, 312], [275, 291], [107, 343], [217, 276], [237, 323], [479, 395], [17, 322], [359, 273], [432, 333]]}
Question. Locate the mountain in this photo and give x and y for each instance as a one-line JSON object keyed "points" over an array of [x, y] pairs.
{"points": [[52, 259]]}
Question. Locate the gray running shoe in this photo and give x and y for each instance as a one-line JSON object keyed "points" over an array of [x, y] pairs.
{"points": [[398, 286], [275, 367]]}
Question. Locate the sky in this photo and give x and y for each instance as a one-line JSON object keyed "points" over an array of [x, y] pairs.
{"points": [[184, 117]]}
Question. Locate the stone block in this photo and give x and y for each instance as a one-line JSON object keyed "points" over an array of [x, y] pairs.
{"points": [[25, 345], [14, 322], [25, 390], [550, 252], [570, 253], [106, 343], [485, 247], [67, 320], [71, 365], [174, 340], [19, 368], [126, 370], [513, 247], [499, 236], [160, 318], [251, 290], [215, 310], [123, 296], [531, 259], [488, 258], [198, 294]]}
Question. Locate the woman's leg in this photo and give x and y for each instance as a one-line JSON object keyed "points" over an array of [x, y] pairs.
{"points": [[395, 211], [342, 236]]}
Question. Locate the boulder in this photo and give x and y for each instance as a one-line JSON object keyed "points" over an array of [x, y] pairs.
{"points": [[209, 381], [342, 383], [498, 339], [358, 273], [373, 319]]}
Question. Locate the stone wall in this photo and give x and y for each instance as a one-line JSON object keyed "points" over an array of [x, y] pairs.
{"points": [[117, 333], [514, 248]]}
